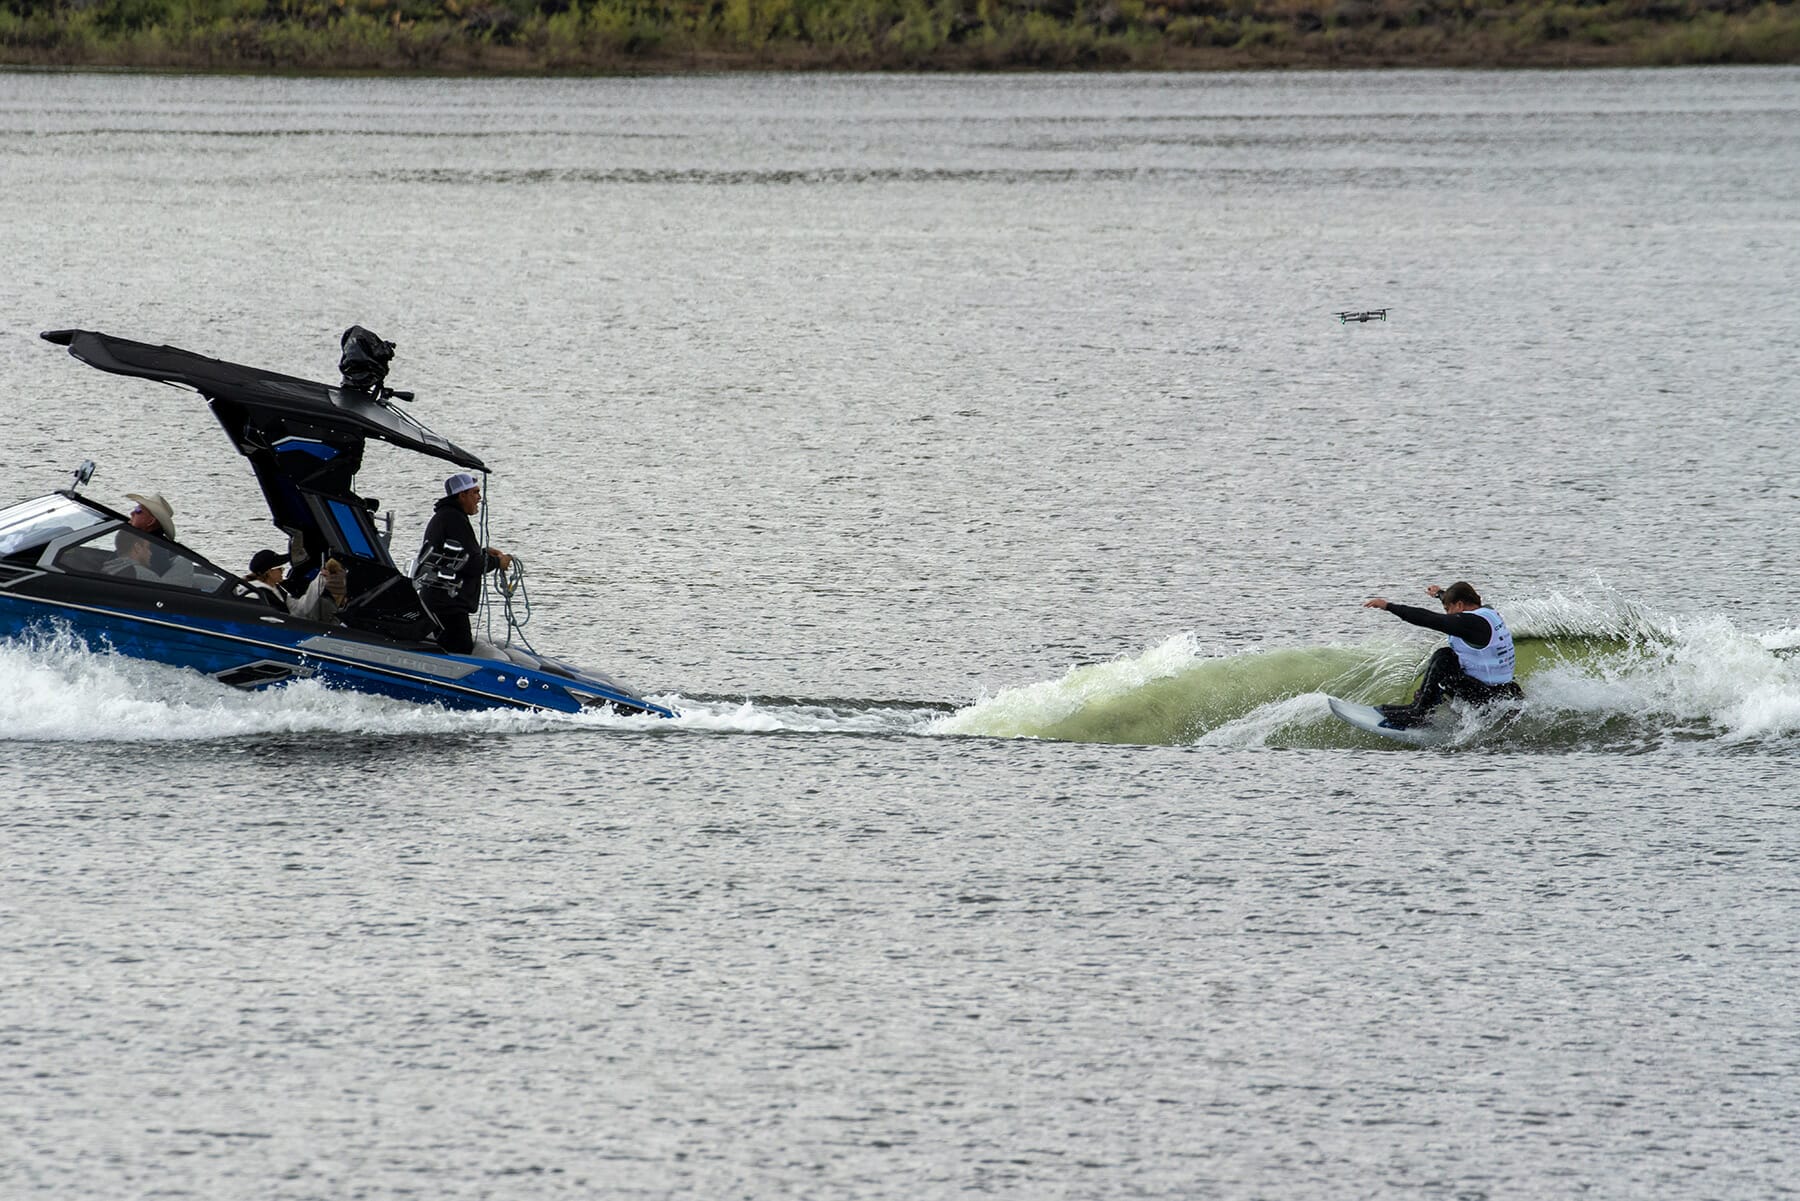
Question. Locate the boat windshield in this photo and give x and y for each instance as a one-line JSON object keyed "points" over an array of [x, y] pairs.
{"points": [[31, 523], [119, 550]]}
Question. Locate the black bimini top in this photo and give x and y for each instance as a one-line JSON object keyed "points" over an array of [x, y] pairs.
{"points": [[247, 398], [304, 441]]}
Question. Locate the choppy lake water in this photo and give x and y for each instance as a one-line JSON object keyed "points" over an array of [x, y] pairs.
{"points": [[978, 465]]}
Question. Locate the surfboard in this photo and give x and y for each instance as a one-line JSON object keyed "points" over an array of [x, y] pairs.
{"points": [[1367, 717]]}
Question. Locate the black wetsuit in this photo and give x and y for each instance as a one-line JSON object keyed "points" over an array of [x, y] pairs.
{"points": [[1445, 679], [449, 524]]}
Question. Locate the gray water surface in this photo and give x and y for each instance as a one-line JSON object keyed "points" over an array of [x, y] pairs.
{"points": [[848, 414]]}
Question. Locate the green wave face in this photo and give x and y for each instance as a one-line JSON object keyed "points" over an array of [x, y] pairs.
{"points": [[1170, 696]]}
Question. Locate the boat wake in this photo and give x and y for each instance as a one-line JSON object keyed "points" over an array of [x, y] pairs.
{"points": [[53, 688], [1598, 677]]}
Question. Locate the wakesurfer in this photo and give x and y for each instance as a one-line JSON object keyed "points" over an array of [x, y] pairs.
{"points": [[1476, 666]]}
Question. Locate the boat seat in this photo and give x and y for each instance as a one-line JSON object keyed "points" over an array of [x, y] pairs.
{"points": [[391, 608], [88, 560], [487, 650]]}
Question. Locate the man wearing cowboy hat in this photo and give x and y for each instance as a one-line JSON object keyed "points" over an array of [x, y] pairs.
{"points": [[152, 515], [451, 563]]}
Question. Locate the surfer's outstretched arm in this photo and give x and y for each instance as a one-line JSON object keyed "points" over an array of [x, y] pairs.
{"points": [[1461, 624], [1470, 628]]}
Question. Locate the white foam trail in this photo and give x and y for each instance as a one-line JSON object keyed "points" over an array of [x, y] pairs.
{"points": [[58, 690], [1278, 721], [750, 717], [1705, 672], [1296, 720], [1782, 640], [55, 689]]}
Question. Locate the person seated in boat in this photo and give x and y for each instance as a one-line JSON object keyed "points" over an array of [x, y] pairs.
{"points": [[451, 563], [154, 516], [321, 600], [132, 554], [1476, 666]]}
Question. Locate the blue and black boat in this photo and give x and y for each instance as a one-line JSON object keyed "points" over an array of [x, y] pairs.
{"points": [[60, 562]]}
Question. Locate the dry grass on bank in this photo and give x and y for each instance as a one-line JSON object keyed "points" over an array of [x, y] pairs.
{"points": [[616, 36]]}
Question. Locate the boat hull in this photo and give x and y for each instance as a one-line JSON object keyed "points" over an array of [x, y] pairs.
{"points": [[260, 651]]}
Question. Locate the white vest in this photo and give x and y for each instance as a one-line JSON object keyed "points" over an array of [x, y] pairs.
{"points": [[1493, 663]]}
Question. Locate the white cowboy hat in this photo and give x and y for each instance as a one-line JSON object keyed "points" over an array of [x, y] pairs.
{"points": [[158, 508]]}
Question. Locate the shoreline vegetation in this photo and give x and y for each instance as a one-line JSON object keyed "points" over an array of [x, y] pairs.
{"points": [[574, 37]]}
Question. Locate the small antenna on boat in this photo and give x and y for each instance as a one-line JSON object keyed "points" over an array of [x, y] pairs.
{"points": [[82, 474]]}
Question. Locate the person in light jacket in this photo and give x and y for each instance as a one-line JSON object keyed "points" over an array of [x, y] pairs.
{"points": [[322, 598]]}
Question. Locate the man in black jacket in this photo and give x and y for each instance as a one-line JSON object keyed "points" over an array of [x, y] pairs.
{"points": [[1476, 666], [451, 564]]}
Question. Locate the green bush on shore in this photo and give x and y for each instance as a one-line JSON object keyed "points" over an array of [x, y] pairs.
{"points": [[623, 35]]}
